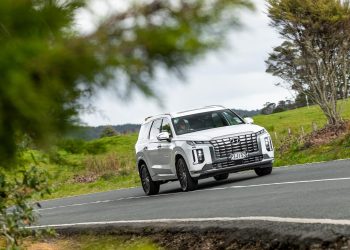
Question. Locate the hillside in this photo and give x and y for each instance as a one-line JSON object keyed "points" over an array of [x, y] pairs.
{"points": [[290, 148]]}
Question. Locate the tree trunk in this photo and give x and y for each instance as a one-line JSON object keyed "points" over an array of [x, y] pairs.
{"points": [[331, 112]]}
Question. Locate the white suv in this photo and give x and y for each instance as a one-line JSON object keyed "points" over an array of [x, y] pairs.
{"points": [[191, 145]]}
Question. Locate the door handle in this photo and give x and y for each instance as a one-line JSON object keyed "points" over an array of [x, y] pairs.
{"points": [[159, 146], [145, 148]]}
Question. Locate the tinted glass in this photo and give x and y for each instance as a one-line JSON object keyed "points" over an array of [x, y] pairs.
{"points": [[166, 127], [207, 120], [155, 130]]}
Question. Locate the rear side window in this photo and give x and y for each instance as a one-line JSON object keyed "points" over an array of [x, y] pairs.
{"points": [[155, 130], [144, 131]]}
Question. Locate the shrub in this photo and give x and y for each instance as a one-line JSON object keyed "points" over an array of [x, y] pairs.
{"points": [[73, 146], [17, 194], [95, 147]]}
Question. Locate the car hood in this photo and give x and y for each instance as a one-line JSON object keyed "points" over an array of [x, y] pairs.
{"points": [[209, 134]]}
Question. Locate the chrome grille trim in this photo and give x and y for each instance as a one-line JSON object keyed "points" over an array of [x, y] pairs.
{"points": [[228, 164], [224, 147]]}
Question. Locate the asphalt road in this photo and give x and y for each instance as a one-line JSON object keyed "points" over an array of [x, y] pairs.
{"points": [[316, 191]]}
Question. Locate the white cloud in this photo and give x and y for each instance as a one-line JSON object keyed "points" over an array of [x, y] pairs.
{"points": [[234, 77]]}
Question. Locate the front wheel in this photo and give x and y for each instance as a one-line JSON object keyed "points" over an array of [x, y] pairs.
{"points": [[150, 187], [186, 181], [264, 170]]}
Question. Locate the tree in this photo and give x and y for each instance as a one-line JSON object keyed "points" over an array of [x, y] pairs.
{"points": [[108, 131], [47, 67], [314, 57]]}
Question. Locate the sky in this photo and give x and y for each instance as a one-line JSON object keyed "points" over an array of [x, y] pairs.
{"points": [[233, 77]]}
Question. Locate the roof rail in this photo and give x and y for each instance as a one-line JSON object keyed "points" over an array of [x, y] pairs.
{"points": [[215, 106], [211, 106], [147, 118]]}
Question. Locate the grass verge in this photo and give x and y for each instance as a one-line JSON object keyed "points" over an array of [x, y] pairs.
{"points": [[90, 242]]}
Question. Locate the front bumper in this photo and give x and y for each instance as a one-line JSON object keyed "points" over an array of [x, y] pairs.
{"points": [[218, 161], [213, 169]]}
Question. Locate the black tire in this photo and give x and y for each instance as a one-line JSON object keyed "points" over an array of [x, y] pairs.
{"points": [[150, 187], [186, 181], [221, 177], [262, 171]]}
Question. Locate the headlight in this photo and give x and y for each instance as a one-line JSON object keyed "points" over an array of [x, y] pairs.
{"points": [[263, 131], [202, 142], [194, 143], [191, 143]]}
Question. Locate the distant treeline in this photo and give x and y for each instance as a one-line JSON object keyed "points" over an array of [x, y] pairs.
{"points": [[90, 133], [247, 113]]}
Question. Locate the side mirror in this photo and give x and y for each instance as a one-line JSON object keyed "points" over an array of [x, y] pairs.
{"points": [[164, 136], [248, 120]]}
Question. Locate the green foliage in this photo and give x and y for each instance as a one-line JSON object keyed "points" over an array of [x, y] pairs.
{"points": [[72, 146], [17, 193], [47, 68]]}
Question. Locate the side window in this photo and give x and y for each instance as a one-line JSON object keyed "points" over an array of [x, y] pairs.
{"points": [[144, 131], [166, 127], [155, 130]]}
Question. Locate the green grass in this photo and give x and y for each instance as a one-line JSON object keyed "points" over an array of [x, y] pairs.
{"points": [[114, 243], [297, 118], [89, 242], [110, 161]]}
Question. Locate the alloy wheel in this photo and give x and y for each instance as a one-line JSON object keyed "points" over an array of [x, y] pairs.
{"points": [[145, 179], [182, 175]]}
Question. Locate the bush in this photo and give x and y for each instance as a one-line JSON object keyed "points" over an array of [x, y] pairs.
{"points": [[73, 146], [17, 194], [56, 158], [95, 147]]}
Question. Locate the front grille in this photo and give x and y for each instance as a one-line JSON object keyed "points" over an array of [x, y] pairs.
{"points": [[227, 164], [226, 146]]}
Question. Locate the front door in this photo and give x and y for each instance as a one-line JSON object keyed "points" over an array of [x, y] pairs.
{"points": [[165, 150]]}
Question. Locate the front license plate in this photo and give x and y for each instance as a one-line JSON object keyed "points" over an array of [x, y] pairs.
{"points": [[238, 156]]}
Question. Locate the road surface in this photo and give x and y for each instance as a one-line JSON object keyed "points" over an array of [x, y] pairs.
{"points": [[314, 193]]}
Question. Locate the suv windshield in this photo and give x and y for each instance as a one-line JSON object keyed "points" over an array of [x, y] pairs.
{"points": [[207, 120]]}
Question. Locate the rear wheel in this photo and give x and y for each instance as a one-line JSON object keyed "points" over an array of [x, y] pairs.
{"points": [[221, 177], [266, 170], [150, 187], [186, 181]]}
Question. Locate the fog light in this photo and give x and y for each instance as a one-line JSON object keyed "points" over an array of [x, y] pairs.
{"points": [[268, 144], [200, 155]]}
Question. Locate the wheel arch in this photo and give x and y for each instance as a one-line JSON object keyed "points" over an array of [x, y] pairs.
{"points": [[140, 163]]}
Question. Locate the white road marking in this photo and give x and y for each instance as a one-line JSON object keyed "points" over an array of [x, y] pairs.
{"points": [[215, 219], [200, 190]]}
